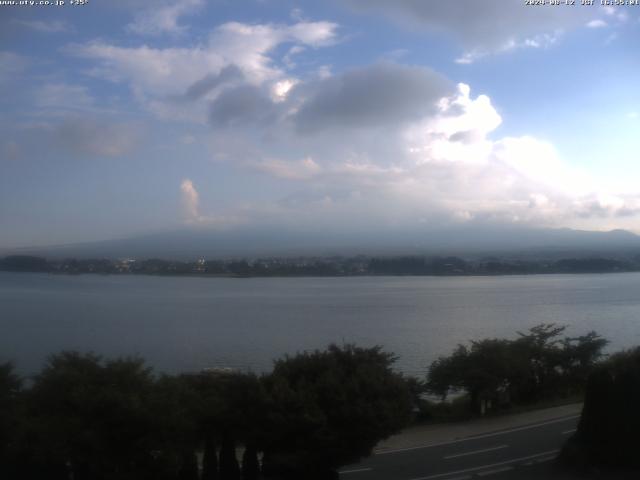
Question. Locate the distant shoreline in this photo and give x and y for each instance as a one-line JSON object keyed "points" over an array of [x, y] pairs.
{"points": [[385, 275], [358, 266]]}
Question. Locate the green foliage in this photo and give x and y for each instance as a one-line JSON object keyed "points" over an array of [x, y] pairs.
{"points": [[537, 365], [98, 419], [91, 415], [331, 408]]}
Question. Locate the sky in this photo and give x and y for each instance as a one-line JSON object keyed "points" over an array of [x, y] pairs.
{"points": [[120, 118]]}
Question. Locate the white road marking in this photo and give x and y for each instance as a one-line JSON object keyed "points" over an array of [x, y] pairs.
{"points": [[492, 465], [357, 470], [567, 432], [486, 435], [494, 471], [475, 451], [545, 459]]}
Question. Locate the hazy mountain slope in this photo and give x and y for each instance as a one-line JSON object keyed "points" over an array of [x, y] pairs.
{"points": [[192, 243]]}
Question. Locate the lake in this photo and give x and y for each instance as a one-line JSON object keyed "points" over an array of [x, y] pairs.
{"points": [[190, 323]]}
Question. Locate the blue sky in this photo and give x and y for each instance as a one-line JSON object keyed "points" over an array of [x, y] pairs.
{"points": [[126, 117]]}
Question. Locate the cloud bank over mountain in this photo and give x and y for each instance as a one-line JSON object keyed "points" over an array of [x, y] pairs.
{"points": [[230, 123]]}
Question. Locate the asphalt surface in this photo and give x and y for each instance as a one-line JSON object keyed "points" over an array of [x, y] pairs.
{"points": [[526, 451]]}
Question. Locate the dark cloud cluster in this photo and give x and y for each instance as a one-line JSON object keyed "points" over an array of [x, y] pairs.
{"points": [[371, 96], [384, 93], [481, 26], [241, 106], [210, 82]]}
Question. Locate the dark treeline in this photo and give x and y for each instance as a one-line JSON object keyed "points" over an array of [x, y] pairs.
{"points": [[322, 266], [87, 418], [496, 373]]}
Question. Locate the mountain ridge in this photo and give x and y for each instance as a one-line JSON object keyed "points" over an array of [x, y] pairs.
{"points": [[191, 243]]}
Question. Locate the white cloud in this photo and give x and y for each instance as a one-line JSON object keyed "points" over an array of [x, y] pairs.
{"points": [[193, 216], [299, 170], [377, 143], [159, 75], [52, 26], [440, 167], [190, 201], [616, 12], [315, 34], [281, 89], [457, 132], [539, 41], [152, 71], [248, 45], [597, 23], [539, 161], [164, 18]]}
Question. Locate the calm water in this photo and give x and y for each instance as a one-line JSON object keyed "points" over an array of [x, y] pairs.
{"points": [[180, 324]]}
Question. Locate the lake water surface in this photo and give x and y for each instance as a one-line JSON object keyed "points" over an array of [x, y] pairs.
{"points": [[187, 323]]}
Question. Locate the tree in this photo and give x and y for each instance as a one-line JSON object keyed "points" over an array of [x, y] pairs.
{"points": [[579, 357], [445, 373], [230, 408], [229, 467], [330, 408], [10, 390], [91, 415], [188, 466], [534, 366], [540, 349], [210, 459], [250, 464], [608, 429], [483, 371]]}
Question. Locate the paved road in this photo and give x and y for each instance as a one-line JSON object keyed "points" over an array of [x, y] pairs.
{"points": [[505, 454]]}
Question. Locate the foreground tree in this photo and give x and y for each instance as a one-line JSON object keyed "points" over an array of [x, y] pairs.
{"points": [[230, 410], [330, 408], [89, 418], [607, 435], [537, 365], [210, 459], [250, 464], [10, 417], [483, 371]]}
